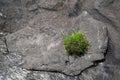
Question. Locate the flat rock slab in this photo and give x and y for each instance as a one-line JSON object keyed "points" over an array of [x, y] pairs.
{"points": [[43, 48]]}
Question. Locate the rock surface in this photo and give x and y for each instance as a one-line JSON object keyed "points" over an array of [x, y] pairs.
{"points": [[18, 14], [49, 76], [111, 9], [9, 69], [43, 48]]}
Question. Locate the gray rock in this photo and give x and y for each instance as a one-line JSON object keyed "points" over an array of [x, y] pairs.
{"points": [[49, 76], [15, 14], [9, 62], [110, 9], [66, 7], [14, 73], [106, 11], [3, 47], [43, 49], [56, 4], [9, 69], [95, 73]]}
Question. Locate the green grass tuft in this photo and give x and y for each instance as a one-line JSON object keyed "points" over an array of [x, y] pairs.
{"points": [[76, 44]]}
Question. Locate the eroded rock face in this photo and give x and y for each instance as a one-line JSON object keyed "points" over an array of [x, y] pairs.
{"points": [[43, 48], [16, 14], [66, 7], [9, 69], [49, 76], [111, 9]]}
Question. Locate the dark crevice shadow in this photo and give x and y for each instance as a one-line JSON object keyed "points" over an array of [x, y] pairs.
{"points": [[95, 63], [48, 9], [76, 10], [96, 14]]}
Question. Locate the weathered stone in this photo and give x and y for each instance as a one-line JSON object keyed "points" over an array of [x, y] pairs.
{"points": [[15, 13], [111, 9], [49, 76], [108, 12], [9, 69], [43, 49], [66, 7], [95, 73], [57, 4], [3, 47]]}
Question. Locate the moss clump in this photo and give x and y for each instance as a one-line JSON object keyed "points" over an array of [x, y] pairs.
{"points": [[76, 44]]}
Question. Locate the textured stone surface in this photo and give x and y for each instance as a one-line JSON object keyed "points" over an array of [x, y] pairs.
{"points": [[49, 76], [16, 14], [9, 69], [111, 9], [3, 48], [44, 49], [106, 11], [66, 7]]}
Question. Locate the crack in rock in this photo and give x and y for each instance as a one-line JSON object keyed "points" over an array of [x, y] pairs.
{"points": [[69, 8]]}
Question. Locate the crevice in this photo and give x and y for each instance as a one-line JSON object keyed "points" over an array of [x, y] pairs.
{"points": [[108, 45], [99, 16], [106, 3], [76, 10], [52, 71], [73, 12], [7, 50], [95, 63], [98, 61], [48, 9], [6, 45]]}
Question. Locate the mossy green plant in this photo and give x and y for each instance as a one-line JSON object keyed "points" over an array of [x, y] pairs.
{"points": [[76, 44]]}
